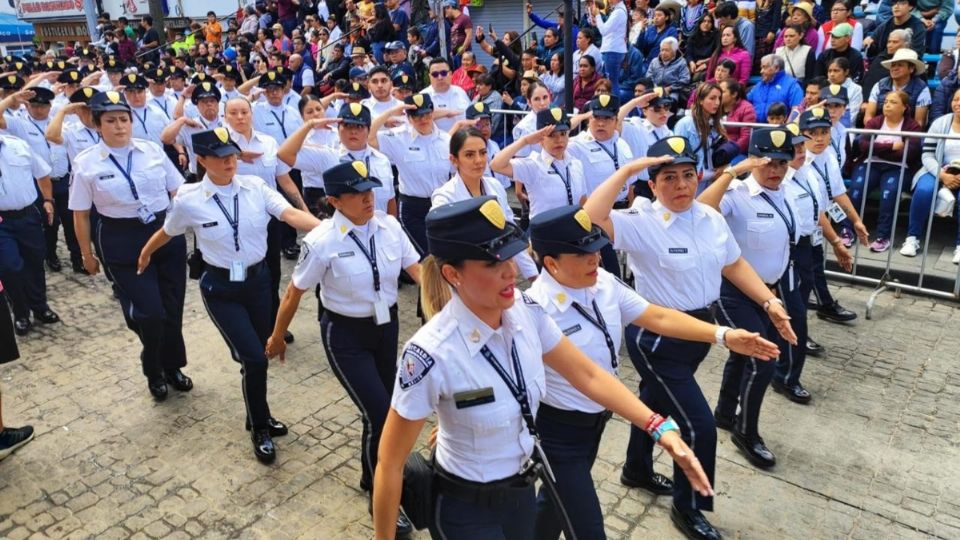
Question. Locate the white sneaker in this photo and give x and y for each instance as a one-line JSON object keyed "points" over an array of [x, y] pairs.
{"points": [[910, 247], [956, 255]]}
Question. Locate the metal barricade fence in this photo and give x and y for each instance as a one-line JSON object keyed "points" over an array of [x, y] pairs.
{"points": [[902, 278], [506, 123]]}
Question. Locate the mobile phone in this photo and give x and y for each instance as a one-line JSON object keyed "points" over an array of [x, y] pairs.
{"points": [[490, 28]]}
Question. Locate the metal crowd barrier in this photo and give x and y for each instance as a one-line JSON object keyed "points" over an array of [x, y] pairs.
{"points": [[506, 114], [888, 278]]}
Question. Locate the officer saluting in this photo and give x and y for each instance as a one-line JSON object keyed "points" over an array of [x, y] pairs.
{"points": [[356, 257], [764, 221], [130, 182], [592, 308], [148, 119], [206, 97], [229, 213], [479, 363]]}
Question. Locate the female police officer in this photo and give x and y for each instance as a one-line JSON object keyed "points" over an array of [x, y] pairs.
{"points": [[130, 182], [592, 308], [356, 258], [229, 215], [479, 364], [678, 250]]}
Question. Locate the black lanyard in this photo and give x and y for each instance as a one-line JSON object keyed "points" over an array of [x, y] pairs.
{"points": [[163, 107], [656, 136], [835, 145], [518, 388], [126, 173], [41, 135], [143, 121], [613, 156], [825, 176], [791, 225], [233, 221], [371, 257], [566, 180], [602, 326], [280, 119], [94, 136], [366, 160], [816, 205]]}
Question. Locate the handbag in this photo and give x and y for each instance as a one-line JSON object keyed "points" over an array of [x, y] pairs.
{"points": [[946, 201], [417, 498]]}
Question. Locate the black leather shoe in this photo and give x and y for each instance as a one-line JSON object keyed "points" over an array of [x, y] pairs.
{"points": [[78, 267], [723, 422], [796, 393], [22, 326], [836, 313], [291, 253], [158, 387], [263, 446], [814, 348], [693, 525], [657, 483], [46, 316], [179, 381], [404, 527], [276, 427], [754, 450], [53, 263], [288, 337], [813, 305]]}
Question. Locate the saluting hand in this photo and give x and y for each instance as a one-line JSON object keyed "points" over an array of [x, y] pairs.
{"points": [[538, 136], [640, 164], [685, 458], [751, 344], [276, 346], [781, 321], [322, 123]]}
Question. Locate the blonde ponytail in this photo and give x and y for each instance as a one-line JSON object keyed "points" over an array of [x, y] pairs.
{"points": [[435, 292]]}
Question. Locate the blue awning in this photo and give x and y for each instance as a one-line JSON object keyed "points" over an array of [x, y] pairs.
{"points": [[13, 30]]}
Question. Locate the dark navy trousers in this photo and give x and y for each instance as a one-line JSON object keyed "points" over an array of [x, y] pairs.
{"points": [[272, 260], [820, 289], [667, 367], [241, 312], [413, 216], [745, 378], [62, 216], [363, 356], [152, 302], [571, 451], [792, 357], [22, 252], [511, 519]]}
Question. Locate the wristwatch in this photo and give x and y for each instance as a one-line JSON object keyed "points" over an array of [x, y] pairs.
{"points": [[768, 303], [720, 335]]}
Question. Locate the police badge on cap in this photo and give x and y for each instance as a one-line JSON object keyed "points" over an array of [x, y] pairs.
{"points": [[216, 142], [422, 102]]}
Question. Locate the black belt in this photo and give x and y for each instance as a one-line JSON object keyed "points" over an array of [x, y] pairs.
{"points": [[411, 198], [706, 314], [483, 493], [135, 220], [620, 205], [224, 273], [574, 418], [334, 316], [804, 241], [60, 178], [14, 214]]}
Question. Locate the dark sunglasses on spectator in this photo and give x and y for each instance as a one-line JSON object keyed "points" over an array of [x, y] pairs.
{"points": [[438, 74]]}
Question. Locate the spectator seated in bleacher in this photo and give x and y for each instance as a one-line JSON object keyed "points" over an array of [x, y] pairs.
{"points": [[774, 86], [906, 72]]}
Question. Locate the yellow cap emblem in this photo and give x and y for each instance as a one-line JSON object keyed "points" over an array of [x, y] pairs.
{"points": [[556, 113], [113, 97], [361, 168], [677, 144], [356, 87], [271, 75], [478, 106], [584, 220], [817, 112], [222, 134], [74, 75], [793, 128], [418, 100], [778, 138], [132, 77], [11, 79], [494, 214], [356, 109], [206, 86], [404, 78], [228, 68], [835, 89], [658, 91], [603, 100], [88, 92]]}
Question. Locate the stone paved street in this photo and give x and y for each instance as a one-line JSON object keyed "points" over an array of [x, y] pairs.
{"points": [[877, 454]]}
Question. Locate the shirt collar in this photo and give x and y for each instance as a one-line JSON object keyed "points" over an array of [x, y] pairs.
{"points": [[416, 134], [209, 188], [135, 144], [753, 186], [547, 159], [562, 296], [475, 332], [343, 226], [666, 216]]}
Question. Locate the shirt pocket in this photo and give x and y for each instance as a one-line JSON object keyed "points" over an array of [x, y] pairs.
{"points": [[414, 155], [596, 155], [150, 180], [220, 234], [348, 271], [19, 160], [678, 262], [758, 232]]}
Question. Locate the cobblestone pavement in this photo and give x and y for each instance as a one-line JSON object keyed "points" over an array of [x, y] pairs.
{"points": [[874, 456]]}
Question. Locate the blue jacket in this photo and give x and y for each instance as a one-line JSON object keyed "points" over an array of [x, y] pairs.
{"points": [[544, 23], [782, 88], [631, 73], [649, 42]]}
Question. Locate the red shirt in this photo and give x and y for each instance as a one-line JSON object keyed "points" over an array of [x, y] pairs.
{"points": [[458, 32]]}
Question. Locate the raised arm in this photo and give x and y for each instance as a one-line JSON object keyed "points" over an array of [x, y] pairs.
{"points": [[501, 162], [170, 133], [379, 122], [600, 202], [714, 193], [291, 147], [54, 132]]}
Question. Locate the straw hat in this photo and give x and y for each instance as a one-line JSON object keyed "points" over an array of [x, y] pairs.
{"points": [[906, 55]]}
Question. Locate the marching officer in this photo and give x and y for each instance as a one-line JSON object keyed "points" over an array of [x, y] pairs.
{"points": [[229, 213], [148, 119], [592, 308], [763, 219], [273, 117], [130, 182], [356, 258], [159, 97], [479, 364], [206, 97]]}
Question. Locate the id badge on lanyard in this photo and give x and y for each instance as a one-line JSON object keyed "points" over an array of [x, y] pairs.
{"points": [[836, 213], [381, 311], [816, 238], [238, 272], [145, 215]]}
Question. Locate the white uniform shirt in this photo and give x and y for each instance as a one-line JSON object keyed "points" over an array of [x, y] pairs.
{"points": [[676, 258], [33, 132], [379, 107], [266, 167], [189, 109], [329, 256], [526, 126], [291, 99], [455, 190], [97, 181], [312, 160], [185, 137], [194, 208], [453, 99], [18, 188], [825, 168], [804, 193], [166, 103], [838, 142], [277, 122], [77, 138], [760, 231], [148, 122], [423, 161], [482, 442], [618, 305], [640, 135], [546, 180], [598, 164]]}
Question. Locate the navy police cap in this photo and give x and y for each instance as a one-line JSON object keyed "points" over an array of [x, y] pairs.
{"points": [[474, 229], [354, 113], [422, 102], [774, 143], [215, 142], [565, 229], [554, 116], [605, 106], [349, 177]]}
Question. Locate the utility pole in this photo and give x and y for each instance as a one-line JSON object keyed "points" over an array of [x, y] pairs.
{"points": [[90, 10], [441, 28], [156, 11], [568, 47]]}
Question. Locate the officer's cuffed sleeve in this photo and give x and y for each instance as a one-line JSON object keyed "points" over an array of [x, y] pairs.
{"points": [[173, 179], [81, 191], [39, 166], [626, 235]]}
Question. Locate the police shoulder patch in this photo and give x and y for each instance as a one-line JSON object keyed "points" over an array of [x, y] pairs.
{"points": [[304, 252], [414, 366], [527, 300]]}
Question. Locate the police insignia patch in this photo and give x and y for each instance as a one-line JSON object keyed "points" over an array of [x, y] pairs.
{"points": [[414, 366]]}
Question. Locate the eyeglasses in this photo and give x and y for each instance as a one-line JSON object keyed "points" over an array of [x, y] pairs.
{"points": [[439, 74]]}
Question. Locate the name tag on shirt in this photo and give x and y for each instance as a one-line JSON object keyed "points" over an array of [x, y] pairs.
{"points": [[472, 398], [764, 215], [414, 149], [208, 225], [572, 330], [803, 195], [346, 254], [105, 177], [678, 250]]}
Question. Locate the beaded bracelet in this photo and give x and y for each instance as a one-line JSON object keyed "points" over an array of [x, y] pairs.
{"points": [[653, 423], [667, 425]]}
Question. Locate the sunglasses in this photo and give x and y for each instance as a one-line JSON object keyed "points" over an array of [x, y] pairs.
{"points": [[439, 74]]}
